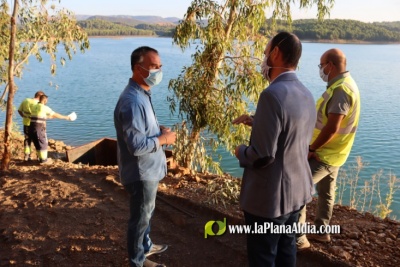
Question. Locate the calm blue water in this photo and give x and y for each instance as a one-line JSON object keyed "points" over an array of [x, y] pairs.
{"points": [[90, 85]]}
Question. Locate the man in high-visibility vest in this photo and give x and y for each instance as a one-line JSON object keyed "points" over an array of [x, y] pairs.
{"points": [[37, 128], [25, 111], [338, 112]]}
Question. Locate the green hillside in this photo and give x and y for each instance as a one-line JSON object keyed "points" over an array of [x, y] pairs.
{"points": [[99, 27], [306, 29], [338, 29], [126, 20], [391, 26]]}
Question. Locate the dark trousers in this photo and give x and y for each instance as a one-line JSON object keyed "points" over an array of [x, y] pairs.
{"points": [[37, 132], [271, 249], [27, 141]]}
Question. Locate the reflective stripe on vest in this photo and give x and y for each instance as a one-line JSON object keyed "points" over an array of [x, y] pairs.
{"points": [[40, 113], [37, 120], [335, 152]]}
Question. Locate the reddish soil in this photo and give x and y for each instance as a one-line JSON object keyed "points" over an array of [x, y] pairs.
{"points": [[76, 215]]}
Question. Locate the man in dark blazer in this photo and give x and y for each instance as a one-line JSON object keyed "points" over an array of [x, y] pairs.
{"points": [[277, 181]]}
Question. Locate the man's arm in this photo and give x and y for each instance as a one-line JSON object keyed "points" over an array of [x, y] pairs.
{"points": [[54, 115], [245, 119], [21, 108], [21, 113], [328, 131], [167, 137], [133, 120], [265, 134], [58, 116], [338, 107]]}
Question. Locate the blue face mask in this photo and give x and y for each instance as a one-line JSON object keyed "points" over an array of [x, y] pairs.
{"points": [[154, 78]]}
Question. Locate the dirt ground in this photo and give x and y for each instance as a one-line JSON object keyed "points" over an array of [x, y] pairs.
{"points": [[76, 215]]}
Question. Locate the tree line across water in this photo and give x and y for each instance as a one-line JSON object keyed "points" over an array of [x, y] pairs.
{"points": [[101, 27], [341, 29], [306, 29]]}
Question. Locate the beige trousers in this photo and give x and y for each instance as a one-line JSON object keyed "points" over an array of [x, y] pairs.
{"points": [[324, 177]]}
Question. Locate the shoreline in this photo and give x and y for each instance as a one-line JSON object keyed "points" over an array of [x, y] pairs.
{"points": [[341, 41], [336, 41], [59, 148]]}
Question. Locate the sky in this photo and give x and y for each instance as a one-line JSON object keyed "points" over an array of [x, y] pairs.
{"points": [[362, 10]]}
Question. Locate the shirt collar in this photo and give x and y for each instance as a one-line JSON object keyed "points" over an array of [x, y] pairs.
{"points": [[338, 77], [286, 72], [136, 86]]}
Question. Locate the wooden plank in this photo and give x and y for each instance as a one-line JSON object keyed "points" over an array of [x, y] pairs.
{"points": [[85, 153], [103, 152]]}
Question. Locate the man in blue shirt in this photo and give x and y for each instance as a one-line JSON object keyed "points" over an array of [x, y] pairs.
{"points": [[141, 159]]}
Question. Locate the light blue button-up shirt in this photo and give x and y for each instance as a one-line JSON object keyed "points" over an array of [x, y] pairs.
{"points": [[140, 156]]}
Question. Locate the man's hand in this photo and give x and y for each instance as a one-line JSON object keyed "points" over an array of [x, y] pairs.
{"points": [[165, 129], [237, 152], [169, 137], [312, 155], [245, 119]]}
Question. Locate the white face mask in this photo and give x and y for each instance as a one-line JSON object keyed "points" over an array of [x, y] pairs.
{"points": [[154, 78], [265, 68], [324, 77]]}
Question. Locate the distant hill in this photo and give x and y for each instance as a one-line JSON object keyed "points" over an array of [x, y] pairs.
{"points": [[133, 20], [174, 20], [391, 26], [308, 29], [155, 20], [128, 25], [340, 30], [99, 27], [126, 20], [82, 17]]}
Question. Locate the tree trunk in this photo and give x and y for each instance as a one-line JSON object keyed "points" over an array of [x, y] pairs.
{"points": [[194, 137], [9, 111]]}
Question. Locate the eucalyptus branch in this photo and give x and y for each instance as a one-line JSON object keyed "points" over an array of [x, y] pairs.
{"points": [[249, 57], [228, 30], [231, 21], [17, 66], [27, 56], [224, 7], [4, 93]]}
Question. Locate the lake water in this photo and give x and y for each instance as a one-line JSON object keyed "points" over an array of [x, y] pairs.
{"points": [[90, 85]]}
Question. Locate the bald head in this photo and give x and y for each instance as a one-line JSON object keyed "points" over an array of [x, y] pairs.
{"points": [[333, 63], [337, 57]]}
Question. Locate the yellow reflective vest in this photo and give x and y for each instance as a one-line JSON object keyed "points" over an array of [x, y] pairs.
{"points": [[40, 112], [337, 150], [26, 109]]}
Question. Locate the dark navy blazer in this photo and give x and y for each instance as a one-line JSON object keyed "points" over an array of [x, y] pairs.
{"points": [[277, 179]]}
